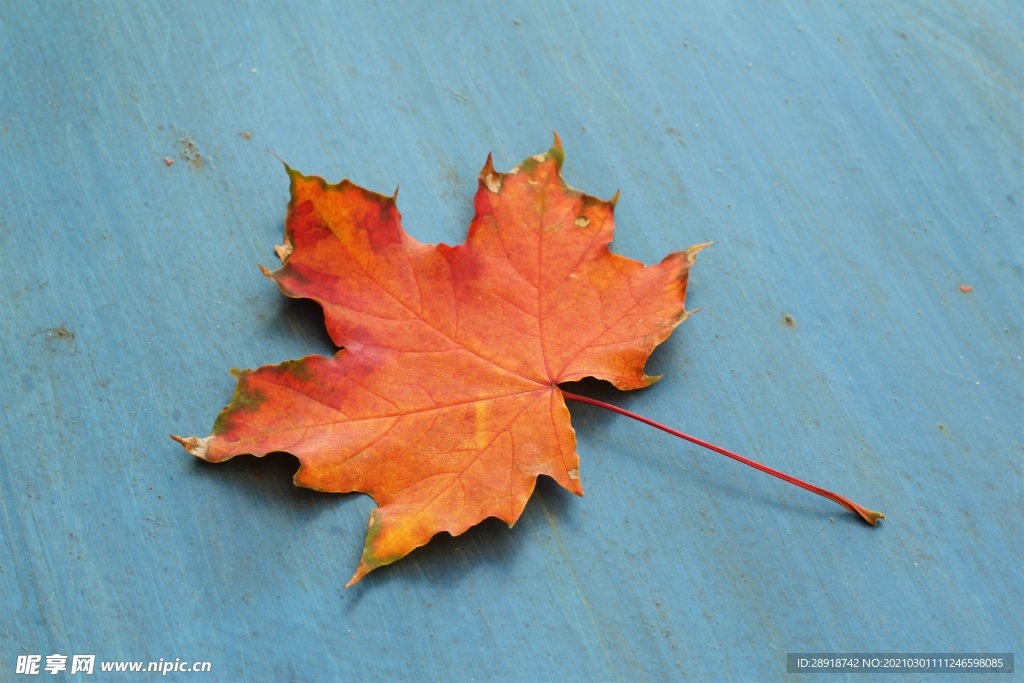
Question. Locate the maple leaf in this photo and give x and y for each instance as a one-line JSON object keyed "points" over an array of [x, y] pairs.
{"points": [[443, 402]]}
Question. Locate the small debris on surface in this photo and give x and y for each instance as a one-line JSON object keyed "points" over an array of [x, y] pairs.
{"points": [[61, 333], [190, 151], [169, 161], [456, 95], [966, 288], [246, 135], [789, 320]]}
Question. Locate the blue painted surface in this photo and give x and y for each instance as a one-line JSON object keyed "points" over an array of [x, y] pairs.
{"points": [[855, 163]]}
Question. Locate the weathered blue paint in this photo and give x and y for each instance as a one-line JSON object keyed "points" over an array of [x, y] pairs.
{"points": [[855, 163]]}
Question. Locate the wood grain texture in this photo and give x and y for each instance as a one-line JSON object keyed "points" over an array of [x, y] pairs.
{"points": [[855, 164]]}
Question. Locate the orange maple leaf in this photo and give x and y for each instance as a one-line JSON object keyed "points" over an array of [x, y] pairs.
{"points": [[443, 404]]}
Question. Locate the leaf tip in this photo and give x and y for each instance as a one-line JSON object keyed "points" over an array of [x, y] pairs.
{"points": [[197, 447], [556, 152], [490, 178], [572, 483], [613, 202], [691, 252], [362, 570], [284, 163]]}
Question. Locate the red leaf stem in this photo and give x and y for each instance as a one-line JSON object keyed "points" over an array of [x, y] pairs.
{"points": [[869, 516]]}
